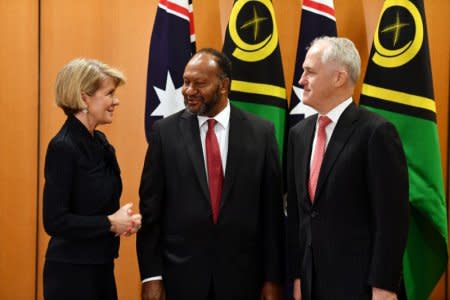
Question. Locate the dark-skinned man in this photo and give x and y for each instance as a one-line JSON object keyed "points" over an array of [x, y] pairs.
{"points": [[210, 196]]}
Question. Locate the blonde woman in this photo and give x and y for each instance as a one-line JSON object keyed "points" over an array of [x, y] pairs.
{"points": [[83, 187]]}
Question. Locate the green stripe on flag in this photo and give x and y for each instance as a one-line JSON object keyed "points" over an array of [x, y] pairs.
{"points": [[425, 258]]}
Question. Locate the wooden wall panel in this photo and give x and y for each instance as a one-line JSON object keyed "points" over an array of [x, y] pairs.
{"points": [[18, 148], [288, 14], [207, 22], [439, 42], [118, 33]]}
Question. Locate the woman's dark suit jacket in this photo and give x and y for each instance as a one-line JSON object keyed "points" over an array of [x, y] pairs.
{"points": [[82, 187]]}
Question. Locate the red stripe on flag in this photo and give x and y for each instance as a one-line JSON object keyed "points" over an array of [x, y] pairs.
{"points": [[175, 7], [181, 10], [319, 6], [191, 23]]}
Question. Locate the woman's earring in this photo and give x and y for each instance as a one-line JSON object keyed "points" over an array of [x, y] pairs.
{"points": [[85, 110]]}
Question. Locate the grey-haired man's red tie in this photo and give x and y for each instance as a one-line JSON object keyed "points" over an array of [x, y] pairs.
{"points": [[318, 154]]}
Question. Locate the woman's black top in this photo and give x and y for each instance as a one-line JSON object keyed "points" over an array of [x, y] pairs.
{"points": [[82, 187]]}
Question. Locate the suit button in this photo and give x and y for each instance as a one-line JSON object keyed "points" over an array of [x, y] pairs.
{"points": [[314, 214]]}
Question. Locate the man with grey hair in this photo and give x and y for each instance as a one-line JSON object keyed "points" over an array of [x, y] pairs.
{"points": [[347, 186]]}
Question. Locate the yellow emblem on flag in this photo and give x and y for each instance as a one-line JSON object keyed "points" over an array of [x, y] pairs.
{"points": [[393, 58], [258, 51]]}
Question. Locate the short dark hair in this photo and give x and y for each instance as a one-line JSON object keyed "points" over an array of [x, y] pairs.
{"points": [[222, 60]]}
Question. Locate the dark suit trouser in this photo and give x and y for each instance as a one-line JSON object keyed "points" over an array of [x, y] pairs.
{"points": [[76, 281], [211, 293], [318, 287]]}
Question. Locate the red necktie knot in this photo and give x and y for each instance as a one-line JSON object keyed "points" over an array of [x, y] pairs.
{"points": [[323, 122]]}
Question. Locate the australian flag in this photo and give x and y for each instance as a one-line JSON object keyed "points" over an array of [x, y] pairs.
{"points": [[171, 46], [317, 20]]}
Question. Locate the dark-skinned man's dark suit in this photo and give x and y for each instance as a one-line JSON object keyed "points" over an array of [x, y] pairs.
{"points": [[354, 234], [179, 240]]}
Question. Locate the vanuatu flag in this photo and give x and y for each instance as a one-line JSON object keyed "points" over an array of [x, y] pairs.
{"points": [[251, 43], [398, 85], [171, 46]]}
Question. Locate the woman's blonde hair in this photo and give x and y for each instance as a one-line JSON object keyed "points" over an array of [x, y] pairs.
{"points": [[82, 75]]}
